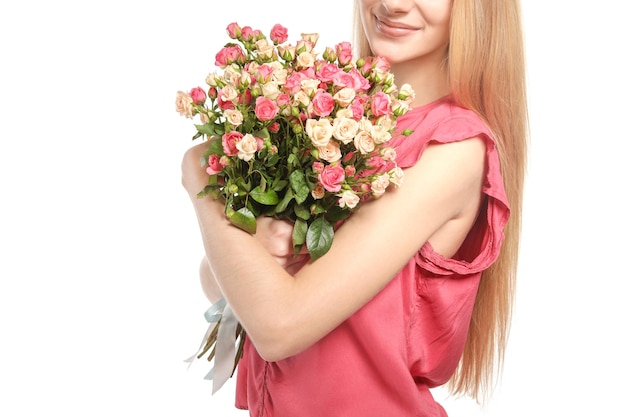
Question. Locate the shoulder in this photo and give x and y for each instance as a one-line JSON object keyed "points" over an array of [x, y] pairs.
{"points": [[441, 122]]}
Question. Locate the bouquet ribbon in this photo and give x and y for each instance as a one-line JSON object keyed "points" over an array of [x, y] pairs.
{"points": [[225, 346]]}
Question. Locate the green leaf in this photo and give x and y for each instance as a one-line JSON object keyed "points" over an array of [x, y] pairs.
{"points": [[319, 238], [210, 129], [336, 213], [284, 203], [263, 133], [279, 185], [302, 212], [215, 147], [298, 236], [267, 197], [299, 186], [243, 219]]}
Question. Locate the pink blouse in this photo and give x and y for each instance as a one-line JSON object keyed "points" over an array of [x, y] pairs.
{"points": [[384, 359]]}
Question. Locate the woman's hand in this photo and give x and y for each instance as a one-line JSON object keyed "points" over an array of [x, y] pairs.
{"points": [[275, 236]]}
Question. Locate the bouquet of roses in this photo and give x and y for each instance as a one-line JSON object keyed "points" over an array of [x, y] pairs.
{"points": [[294, 134]]}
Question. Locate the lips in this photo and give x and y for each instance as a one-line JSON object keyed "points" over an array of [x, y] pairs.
{"points": [[394, 29]]}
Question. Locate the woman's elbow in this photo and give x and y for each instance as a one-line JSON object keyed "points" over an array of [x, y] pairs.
{"points": [[276, 342]]}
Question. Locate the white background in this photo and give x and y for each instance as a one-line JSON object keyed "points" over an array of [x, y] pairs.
{"points": [[99, 296]]}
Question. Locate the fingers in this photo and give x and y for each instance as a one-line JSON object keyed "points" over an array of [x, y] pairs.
{"points": [[275, 236]]}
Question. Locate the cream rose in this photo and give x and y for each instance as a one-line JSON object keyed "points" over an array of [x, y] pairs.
{"points": [[349, 199], [406, 92], [344, 129], [301, 98], [279, 75], [270, 90], [233, 116], [309, 86], [305, 59], [319, 131], [396, 176], [345, 96], [388, 154], [264, 49], [247, 147], [380, 134], [364, 143], [229, 93], [347, 113], [331, 152], [211, 79], [386, 122], [380, 184]]}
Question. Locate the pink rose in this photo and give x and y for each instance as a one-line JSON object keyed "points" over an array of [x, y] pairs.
{"points": [[380, 104], [224, 104], [264, 73], [229, 142], [323, 103], [214, 165], [265, 109], [318, 167], [344, 79], [293, 83], [331, 178], [381, 63], [197, 95], [274, 127], [234, 30], [278, 34], [357, 110], [228, 55], [327, 72], [360, 82], [283, 99], [246, 33], [344, 53]]}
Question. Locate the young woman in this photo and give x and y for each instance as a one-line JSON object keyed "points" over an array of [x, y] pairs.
{"points": [[417, 288]]}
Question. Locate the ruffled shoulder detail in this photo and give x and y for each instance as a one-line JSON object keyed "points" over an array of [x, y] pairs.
{"points": [[444, 122]]}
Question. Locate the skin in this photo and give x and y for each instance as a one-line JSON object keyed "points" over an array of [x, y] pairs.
{"points": [[286, 304]]}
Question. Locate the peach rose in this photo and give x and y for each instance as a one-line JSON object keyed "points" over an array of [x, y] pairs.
{"points": [[184, 104], [318, 192]]}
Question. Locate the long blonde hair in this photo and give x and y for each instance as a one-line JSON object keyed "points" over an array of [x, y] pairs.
{"points": [[486, 63]]}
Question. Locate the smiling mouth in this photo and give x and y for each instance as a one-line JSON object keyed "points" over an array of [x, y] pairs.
{"points": [[392, 29]]}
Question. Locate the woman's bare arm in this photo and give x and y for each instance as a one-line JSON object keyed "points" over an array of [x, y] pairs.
{"points": [[283, 313]]}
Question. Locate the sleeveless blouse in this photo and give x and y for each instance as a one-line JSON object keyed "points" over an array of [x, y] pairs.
{"points": [[383, 360]]}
